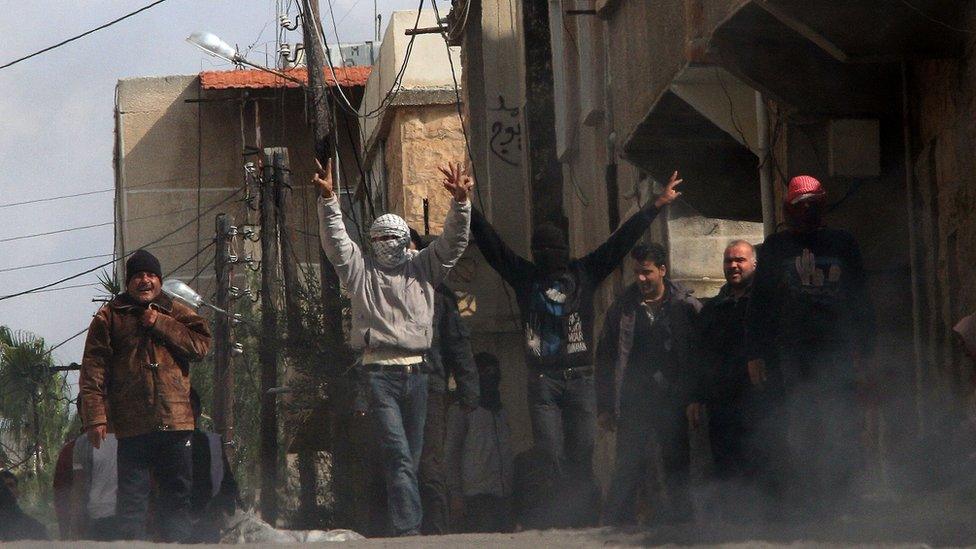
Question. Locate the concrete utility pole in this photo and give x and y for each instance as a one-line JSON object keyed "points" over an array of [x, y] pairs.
{"points": [[289, 262], [289, 271], [223, 375], [348, 475], [322, 131], [269, 339]]}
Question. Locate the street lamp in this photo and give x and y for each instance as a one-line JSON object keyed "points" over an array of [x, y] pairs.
{"points": [[178, 290], [213, 45]]}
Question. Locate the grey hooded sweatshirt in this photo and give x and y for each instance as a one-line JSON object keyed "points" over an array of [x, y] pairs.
{"points": [[393, 308]]}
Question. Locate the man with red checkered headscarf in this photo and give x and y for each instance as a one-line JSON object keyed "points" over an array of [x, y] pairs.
{"points": [[809, 334]]}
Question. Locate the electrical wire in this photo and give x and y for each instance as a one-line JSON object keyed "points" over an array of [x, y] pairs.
{"points": [[59, 231], [82, 35], [86, 193], [934, 20], [187, 262], [72, 287], [82, 227], [509, 298], [339, 95], [397, 81], [74, 259], [52, 349], [460, 114], [167, 235], [206, 265]]}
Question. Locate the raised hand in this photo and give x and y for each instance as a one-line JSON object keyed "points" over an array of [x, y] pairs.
{"points": [[457, 182], [669, 195], [323, 178]]}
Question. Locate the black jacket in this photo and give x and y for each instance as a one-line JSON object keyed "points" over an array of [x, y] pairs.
{"points": [[571, 316], [789, 310], [14, 523], [722, 348], [682, 373], [450, 351]]}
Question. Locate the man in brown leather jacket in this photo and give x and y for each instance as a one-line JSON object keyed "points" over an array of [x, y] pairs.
{"points": [[136, 364]]}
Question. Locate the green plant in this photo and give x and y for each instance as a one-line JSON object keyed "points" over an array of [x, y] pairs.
{"points": [[35, 411]]}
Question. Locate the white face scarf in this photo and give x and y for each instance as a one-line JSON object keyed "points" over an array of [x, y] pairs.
{"points": [[392, 252]]}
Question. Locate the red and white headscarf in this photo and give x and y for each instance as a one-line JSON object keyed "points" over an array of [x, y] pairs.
{"points": [[804, 187]]}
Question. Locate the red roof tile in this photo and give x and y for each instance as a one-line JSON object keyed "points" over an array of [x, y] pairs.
{"points": [[254, 79]]}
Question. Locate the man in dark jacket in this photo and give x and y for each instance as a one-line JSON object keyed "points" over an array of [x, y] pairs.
{"points": [[646, 375], [137, 358], [555, 298], [14, 523], [811, 320], [740, 418], [449, 355]]}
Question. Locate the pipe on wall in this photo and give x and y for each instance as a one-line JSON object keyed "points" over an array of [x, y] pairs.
{"points": [[766, 190]]}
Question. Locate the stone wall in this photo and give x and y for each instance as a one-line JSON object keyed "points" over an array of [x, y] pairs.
{"points": [[422, 139], [943, 206]]}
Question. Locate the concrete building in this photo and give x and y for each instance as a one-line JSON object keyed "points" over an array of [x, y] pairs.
{"points": [[182, 143], [739, 95]]}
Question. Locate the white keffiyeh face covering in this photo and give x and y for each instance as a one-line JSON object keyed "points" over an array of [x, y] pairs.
{"points": [[390, 252]]}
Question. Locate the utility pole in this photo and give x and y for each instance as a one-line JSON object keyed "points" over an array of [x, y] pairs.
{"points": [[282, 178], [348, 474], [223, 375], [322, 131], [269, 342], [289, 266]]}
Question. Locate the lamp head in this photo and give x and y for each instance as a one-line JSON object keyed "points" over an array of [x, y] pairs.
{"points": [[212, 44], [178, 290]]}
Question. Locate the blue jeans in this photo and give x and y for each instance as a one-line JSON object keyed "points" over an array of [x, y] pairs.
{"points": [[563, 414], [398, 405]]}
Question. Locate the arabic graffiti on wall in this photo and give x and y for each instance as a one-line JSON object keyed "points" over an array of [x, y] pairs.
{"points": [[506, 133]]}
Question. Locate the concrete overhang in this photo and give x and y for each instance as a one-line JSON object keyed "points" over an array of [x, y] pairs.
{"points": [[829, 58], [704, 125], [799, 73], [869, 31]]}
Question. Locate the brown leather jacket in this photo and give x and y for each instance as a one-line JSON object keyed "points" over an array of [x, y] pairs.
{"points": [[143, 373]]}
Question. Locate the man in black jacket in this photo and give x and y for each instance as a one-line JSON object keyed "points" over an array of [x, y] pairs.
{"points": [[14, 523], [555, 298], [741, 419], [811, 320], [449, 355], [647, 371]]}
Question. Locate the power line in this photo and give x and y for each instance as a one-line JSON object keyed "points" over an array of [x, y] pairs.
{"points": [[72, 287], [82, 227], [397, 81], [59, 231], [167, 235], [11, 204], [82, 35], [194, 256], [934, 20], [74, 259], [51, 350], [460, 114], [63, 196]]}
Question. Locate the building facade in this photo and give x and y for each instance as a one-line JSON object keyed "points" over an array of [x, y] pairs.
{"points": [[739, 96]]}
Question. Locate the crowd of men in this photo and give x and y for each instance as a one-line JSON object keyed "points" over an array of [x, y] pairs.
{"points": [[772, 364], [778, 356]]}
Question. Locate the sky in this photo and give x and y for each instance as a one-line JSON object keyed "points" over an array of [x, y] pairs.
{"points": [[56, 127]]}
